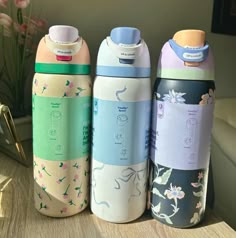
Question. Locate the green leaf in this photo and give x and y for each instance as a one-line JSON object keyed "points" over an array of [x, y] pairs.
{"points": [[156, 192], [67, 82], [195, 219], [175, 209], [157, 208], [168, 220], [163, 179], [198, 194], [19, 16], [80, 89]]}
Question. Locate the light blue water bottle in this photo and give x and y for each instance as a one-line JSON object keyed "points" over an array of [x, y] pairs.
{"points": [[121, 122]]}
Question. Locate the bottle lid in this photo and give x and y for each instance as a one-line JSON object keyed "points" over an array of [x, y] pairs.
{"points": [[186, 56], [190, 39], [63, 34], [125, 35], [123, 54]]}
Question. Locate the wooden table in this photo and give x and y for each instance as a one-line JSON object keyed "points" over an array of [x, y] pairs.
{"points": [[19, 219]]}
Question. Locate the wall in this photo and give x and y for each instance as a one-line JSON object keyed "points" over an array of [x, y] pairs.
{"points": [[157, 19]]}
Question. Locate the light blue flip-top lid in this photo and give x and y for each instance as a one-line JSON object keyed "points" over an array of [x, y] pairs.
{"points": [[126, 35], [124, 54]]}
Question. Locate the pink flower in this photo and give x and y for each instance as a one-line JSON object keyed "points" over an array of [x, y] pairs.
{"points": [[23, 28], [40, 24], [6, 24], [76, 176], [42, 166], [200, 175], [21, 3], [5, 20], [71, 85], [208, 98], [58, 181], [65, 196], [174, 192], [195, 185], [64, 166], [31, 28], [40, 175], [199, 205], [3, 3], [64, 209]]}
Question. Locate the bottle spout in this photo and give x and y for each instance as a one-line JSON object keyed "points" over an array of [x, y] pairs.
{"points": [[63, 34]]}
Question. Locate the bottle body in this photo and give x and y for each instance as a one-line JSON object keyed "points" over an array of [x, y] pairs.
{"points": [[121, 121], [182, 118], [61, 124], [180, 150]]}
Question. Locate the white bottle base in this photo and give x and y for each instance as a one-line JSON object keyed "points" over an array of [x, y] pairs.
{"points": [[118, 193]]}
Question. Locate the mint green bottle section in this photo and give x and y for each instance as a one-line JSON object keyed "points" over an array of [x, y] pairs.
{"points": [[61, 127]]}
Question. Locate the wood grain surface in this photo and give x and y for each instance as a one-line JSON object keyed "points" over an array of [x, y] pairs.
{"points": [[19, 218]]}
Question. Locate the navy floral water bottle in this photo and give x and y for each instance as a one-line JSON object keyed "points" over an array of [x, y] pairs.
{"points": [[182, 118]]}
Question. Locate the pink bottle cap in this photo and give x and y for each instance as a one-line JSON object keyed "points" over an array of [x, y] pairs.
{"points": [[63, 34]]}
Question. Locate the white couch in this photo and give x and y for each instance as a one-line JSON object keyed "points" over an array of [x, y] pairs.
{"points": [[223, 160]]}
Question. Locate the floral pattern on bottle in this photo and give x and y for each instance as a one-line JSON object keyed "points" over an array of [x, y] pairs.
{"points": [[45, 86], [175, 199], [199, 194], [59, 177], [174, 97], [65, 87], [60, 188], [177, 94], [208, 98], [173, 192]]}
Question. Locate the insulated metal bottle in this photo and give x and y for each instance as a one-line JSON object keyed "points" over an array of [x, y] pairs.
{"points": [[121, 126], [182, 117], [61, 123]]}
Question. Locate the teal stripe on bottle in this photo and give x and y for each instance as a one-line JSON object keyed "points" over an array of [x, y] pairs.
{"points": [[61, 127], [83, 69]]}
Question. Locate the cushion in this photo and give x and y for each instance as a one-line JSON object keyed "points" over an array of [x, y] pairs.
{"points": [[224, 128]]}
